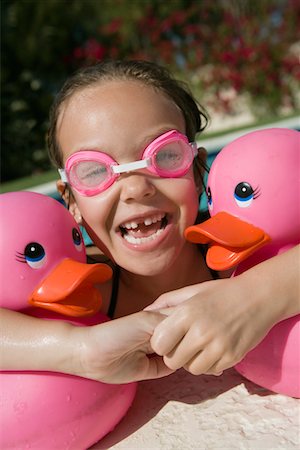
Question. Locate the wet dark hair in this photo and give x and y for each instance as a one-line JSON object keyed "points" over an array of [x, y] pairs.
{"points": [[149, 73]]}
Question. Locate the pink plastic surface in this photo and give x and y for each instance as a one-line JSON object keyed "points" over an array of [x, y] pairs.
{"points": [[269, 160], [45, 410]]}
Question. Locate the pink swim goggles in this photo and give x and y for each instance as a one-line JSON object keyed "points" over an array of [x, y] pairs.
{"points": [[90, 172]]}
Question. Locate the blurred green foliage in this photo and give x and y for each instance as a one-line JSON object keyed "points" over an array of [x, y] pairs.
{"points": [[240, 46]]}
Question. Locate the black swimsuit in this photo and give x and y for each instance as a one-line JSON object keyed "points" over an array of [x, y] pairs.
{"points": [[114, 292]]}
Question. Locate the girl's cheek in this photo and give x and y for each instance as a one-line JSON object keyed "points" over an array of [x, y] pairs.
{"points": [[95, 218], [93, 210], [190, 203], [187, 193], [192, 199]]}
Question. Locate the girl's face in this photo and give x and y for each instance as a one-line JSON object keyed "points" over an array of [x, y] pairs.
{"points": [[138, 221]]}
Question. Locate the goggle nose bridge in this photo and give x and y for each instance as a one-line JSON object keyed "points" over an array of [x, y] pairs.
{"points": [[130, 167]]}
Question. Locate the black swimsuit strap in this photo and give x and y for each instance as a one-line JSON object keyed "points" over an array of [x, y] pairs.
{"points": [[114, 292], [214, 273], [203, 250]]}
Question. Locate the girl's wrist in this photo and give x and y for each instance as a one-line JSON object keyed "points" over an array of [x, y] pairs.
{"points": [[76, 349]]}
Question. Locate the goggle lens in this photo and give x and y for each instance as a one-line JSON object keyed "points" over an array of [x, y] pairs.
{"points": [[89, 174], [172, 159]]}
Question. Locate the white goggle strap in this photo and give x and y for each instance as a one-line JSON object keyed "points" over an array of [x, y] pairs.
{"points": [[63, 175], [194, 148], [129, 167]]}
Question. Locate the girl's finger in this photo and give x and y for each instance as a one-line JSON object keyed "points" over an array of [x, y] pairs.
{"points": [[167, 335], [175, 297], [156, 369], [202, 362], [184, 351]]}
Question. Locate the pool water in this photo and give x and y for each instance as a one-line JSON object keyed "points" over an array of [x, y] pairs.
{"points": [[203, 200]]}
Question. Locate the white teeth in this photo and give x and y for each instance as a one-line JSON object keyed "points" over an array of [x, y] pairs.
{"points": [[147, 222], [133, 240], [154, 219], [130, 225]]}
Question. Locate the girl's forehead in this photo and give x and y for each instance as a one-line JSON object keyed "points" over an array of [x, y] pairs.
{"points": [[116, 111], [121, 96]]}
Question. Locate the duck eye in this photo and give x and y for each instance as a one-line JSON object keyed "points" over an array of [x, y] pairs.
{"points": [[209, 198], [243, 194], [35, 255], [77, 239]]}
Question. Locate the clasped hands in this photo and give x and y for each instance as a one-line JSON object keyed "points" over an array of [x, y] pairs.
{"points": [[204, 328]]}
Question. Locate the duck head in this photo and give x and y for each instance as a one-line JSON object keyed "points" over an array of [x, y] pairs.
{"points": [[253, 193], [43, 259]]}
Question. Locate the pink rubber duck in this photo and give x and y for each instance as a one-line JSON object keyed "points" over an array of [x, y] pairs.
{"points": [[253, 192], [44, 273]]}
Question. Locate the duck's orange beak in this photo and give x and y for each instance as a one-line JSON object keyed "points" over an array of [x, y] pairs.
{"points": [[69, 288], [230, 240]]}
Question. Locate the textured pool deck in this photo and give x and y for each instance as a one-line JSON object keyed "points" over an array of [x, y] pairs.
{"points": [[185, 412]]}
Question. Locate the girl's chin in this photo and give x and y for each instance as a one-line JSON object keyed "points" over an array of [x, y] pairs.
{"points": [[149, 264], [146, 271]]}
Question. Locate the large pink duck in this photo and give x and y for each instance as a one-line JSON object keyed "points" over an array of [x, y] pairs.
{"points": [[253, 197], [43, 273]]}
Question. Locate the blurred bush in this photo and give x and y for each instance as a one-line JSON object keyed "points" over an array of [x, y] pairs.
{"points": [[225, 49]]}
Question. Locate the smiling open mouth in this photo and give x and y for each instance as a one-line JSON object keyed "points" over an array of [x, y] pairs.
{"points": [[144, 230]]}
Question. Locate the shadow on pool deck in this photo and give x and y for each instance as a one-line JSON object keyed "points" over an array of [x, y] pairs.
{"points": [[180, 387]]}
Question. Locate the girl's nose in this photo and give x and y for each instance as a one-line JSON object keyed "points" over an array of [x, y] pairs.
{"points": [[135, 187]]}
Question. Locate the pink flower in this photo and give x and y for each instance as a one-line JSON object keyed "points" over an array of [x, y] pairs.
{"points": [[93, 50]]}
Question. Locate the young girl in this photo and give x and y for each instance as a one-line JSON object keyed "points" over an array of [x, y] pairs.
{"points": [[122, 135]]}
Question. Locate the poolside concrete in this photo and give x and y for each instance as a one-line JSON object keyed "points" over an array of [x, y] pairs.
{"points": [[185, 412]]}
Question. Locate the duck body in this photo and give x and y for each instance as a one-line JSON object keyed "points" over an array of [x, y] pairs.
{"points": [[44, 410], [253, 193], [43, 271]]}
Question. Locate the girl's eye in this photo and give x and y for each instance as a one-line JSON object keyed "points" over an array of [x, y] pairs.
{"points": [[77, 239], [35, 255], [244, 194], [169, 157], [89, 173], [209, 198]]}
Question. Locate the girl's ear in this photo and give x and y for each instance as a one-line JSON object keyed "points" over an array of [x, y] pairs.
{"points": [[68, 198], [200, 168]]}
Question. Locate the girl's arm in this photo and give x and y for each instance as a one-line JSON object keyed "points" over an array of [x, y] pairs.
{"points": [[211, 326], [114, 352]]}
